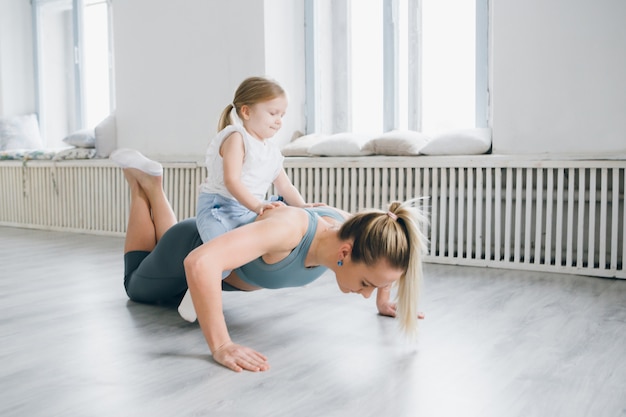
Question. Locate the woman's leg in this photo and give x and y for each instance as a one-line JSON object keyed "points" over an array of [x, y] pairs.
{"points": [[151, 214], [156, 244]]}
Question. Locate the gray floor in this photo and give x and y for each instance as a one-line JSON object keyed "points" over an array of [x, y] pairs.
{"points": [[494, 343]]}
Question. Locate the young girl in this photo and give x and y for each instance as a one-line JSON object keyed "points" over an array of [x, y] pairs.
{"points": [[242, 162]]}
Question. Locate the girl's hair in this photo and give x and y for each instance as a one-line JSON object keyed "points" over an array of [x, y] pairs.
{"points": [[395, 236], [251, 91]]}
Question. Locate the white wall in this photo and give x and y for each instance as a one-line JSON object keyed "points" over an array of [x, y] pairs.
{"points": [[558, 70], [559, 76], [17, 87], [178, 64], [284, 59]]}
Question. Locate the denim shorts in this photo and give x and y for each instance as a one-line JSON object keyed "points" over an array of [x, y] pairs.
{"points": [[217, 215]]}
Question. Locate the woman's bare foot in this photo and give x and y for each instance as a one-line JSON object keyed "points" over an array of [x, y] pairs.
{"points": [[150, 188], [149, 183]]}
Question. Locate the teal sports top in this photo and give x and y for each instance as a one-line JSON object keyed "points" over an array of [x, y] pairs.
{"points": [[290, 271]]}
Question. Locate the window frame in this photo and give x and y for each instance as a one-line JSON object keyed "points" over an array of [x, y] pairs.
{"points": [[77, 6], [314, 120]]}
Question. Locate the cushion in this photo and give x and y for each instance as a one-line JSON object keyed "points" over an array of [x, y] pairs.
{"points": [[20, 132], [398, 142], [106, 137], [300, 146], [69, 152], [75, 153], [342, 144], [459, 142], [85, 138]]}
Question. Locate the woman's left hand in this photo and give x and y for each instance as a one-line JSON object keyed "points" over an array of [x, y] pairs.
{"points": [[387, 309]]}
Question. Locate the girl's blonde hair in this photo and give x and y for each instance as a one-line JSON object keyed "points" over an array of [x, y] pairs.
{"points": [[395, 236], [251, 91]]}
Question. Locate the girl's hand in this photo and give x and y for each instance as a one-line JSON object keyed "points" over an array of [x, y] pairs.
{"points": [[238, 358], [268, 206]]}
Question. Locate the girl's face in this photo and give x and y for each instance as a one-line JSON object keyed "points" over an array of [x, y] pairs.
{"points": [[262, 120], [362, 279]]}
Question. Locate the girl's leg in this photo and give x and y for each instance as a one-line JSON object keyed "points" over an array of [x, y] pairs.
{"points": [[150, 213]]}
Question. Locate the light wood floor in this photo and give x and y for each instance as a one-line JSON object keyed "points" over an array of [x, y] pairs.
{"points": [[494, 343]]}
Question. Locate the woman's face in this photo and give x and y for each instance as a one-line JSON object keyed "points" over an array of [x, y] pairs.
{"points": [[362, 279]]}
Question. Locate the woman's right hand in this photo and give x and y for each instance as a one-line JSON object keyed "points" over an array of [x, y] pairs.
{"points": [[239, 358]]}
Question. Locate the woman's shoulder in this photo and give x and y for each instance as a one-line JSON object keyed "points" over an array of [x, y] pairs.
{"points": [[285, 214], [283, 225], [329, 211], [293, 217]]}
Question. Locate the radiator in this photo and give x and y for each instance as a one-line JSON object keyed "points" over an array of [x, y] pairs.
{"points": [[505, 212], [84, 196]]}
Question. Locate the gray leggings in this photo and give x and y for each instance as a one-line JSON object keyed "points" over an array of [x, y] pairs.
{"points": [[158, 277]]}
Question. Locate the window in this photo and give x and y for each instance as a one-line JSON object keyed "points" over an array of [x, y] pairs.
{"points": [[377, 65], [73, 65]]}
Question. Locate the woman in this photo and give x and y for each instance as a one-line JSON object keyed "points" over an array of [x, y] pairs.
{"points": [[284, 247]]}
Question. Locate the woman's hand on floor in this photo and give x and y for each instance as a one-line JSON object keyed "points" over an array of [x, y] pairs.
{"points": [[389, 309], [386, 308], [239, 358]]}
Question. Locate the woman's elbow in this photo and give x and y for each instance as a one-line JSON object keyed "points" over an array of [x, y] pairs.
{"points": [[193, 264]]}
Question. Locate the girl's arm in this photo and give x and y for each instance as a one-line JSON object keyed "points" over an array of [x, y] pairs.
{"points": [[288, 191], [278, 232], [233, 152]]}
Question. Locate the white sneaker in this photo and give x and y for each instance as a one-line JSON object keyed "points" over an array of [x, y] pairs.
{"points": [[186, 309], [130, 158]]}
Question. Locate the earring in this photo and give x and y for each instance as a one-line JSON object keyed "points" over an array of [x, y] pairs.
{"points": [[340, 263]]}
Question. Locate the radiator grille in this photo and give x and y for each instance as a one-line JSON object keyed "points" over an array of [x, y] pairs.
{"points": [[555, 215], [565, 216], [89, 197]]}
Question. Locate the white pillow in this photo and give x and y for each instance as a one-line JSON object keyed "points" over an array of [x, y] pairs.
{"points": [[459, 142], [20, 132], [398, 142], [300, 146], [106, 137], [342, 144], [85, 138]]}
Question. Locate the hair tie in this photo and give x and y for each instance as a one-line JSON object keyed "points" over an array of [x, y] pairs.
{"points": [[392, 215], [234, 117]]}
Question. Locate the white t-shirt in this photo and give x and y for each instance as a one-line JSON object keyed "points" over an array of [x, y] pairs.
{"points": [[262, 163]]}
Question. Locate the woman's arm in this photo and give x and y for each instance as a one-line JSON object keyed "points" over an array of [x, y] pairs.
{"points": [[385, 306], [279, 230], [383, 303]]}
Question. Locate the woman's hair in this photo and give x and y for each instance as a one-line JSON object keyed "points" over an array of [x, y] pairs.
{"points": [[395, 236], [251, 91]]}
